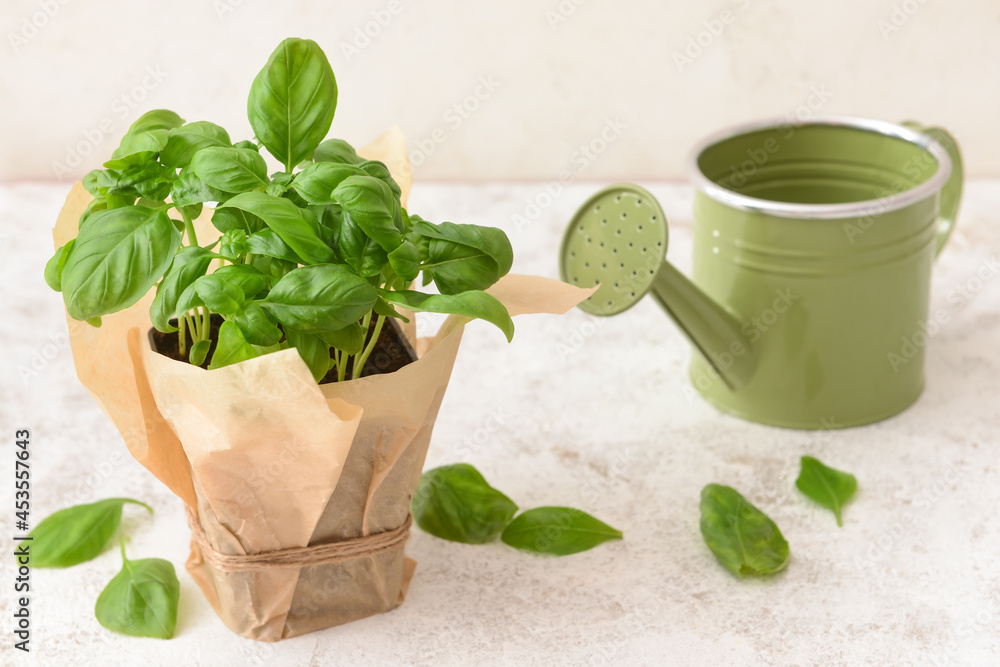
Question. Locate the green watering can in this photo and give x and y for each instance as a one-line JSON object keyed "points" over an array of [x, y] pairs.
{"points": [[813, 247]]}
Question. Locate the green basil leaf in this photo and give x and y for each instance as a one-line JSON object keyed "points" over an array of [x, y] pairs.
{"points": [[267, 242], [157, 119], [328, 221], [188, 139], [137, 147], [370, 204], [273, 267], [350, 339], [54, 267], [287, 220], [317, 181], [119, 199], [337, 150], [189, 264], [557, 531], [105, 180], [378, 170], [359, 250], [313, 350], [233, 244], [148, 179], [385, 309], [464, 257], [248, 278], [199, 351], [99, 204], [230, 169], [743, 539], [405, 260], [283, 178], [470, 304], [116, 259], [256, 325], [324, 297], [292, 101], [191, 210], [187, 300], [829, 487], [141, 600], [220, 295], [229, 219], [456, 503], [188, 190], [232, 347], [90, 182], [77, 534]]}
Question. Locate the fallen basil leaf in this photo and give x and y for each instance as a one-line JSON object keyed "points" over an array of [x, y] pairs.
{"points": [[455, 503], [557, 531], [77, 534], [743, 539], [829, 487], [141, 600]]}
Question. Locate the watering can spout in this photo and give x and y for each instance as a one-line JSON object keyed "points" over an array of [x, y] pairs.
{"points": [[618, 240], [710, 327]]}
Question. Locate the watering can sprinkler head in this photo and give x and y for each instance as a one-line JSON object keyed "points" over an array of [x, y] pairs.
{"points": [[618, 240]]}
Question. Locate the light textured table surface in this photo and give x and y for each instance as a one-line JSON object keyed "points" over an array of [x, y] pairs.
{"points": [[593, 414]]}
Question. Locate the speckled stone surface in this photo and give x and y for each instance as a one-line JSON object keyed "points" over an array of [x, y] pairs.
{"points": [[590, 413]]}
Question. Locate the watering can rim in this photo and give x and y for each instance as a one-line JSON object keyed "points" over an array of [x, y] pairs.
{"points": [[840, 211]]}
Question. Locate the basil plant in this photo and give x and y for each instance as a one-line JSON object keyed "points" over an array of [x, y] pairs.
{"points": [[315, 256]]}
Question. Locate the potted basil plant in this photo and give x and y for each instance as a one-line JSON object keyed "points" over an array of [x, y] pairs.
{"points": [[249, 334]]}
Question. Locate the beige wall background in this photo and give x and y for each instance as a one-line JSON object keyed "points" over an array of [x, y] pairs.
{"points": [[513, 90]]}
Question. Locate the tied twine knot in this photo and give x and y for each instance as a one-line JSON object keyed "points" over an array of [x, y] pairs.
{"points": [[329, 552]]}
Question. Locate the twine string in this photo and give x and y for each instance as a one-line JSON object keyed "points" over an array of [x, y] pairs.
{"points": [[329, 552]]}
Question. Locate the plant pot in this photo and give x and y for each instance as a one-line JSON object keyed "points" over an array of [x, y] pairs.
{"points": [[350, 570], [283, 469]]}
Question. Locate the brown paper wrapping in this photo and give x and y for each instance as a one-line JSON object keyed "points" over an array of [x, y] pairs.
{"points": [[269, 460]]}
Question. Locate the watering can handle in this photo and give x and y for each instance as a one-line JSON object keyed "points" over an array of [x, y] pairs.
{"points": [[951, 193]]}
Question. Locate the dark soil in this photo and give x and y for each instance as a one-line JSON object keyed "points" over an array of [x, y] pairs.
{"points": [[392, 351]]}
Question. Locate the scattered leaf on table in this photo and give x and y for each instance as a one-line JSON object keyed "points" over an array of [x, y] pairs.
{"points": [[829, 487], [557, 531], [456, 503], [743, 539]]}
